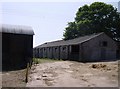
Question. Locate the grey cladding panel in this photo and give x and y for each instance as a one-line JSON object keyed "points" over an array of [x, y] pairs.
{"points": [[17, 29]]}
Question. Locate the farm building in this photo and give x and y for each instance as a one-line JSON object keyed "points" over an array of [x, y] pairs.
{"points": [[94, 47], [118, 51], [17, 46]]}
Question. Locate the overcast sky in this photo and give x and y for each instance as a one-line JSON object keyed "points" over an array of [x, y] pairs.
{"points": [[48, 19]]}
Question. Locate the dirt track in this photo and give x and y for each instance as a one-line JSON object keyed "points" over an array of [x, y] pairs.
{"points": [[74, 74], [13, 78]]}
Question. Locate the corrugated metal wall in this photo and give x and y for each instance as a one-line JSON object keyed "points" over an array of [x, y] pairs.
{"points": [[17, 50]]}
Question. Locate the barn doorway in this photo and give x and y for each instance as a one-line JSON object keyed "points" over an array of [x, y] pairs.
{"points": [[118, 54], [75, 52], [103, 54]]}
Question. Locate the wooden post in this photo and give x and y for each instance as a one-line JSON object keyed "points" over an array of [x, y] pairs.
{"points": [[26, 80]]}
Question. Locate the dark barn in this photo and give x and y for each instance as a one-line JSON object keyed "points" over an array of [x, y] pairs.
{"points": [[17, 46]]}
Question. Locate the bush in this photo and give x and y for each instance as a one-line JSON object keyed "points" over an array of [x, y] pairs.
{"points": [[36, 60], [43, 60]]}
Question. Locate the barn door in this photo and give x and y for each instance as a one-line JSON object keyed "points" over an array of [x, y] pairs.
{"points": [[103, 53], [75, 52]]}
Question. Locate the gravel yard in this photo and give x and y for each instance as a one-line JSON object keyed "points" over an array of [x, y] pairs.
{"points": [[74, 74], [13, 78]]}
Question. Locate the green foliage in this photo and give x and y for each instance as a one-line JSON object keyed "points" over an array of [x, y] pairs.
{"points": [[43, 60], [98, 17], [36, 61], [71, 31]]}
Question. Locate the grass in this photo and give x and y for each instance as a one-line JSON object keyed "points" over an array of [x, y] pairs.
{"points": [[44, 60]]}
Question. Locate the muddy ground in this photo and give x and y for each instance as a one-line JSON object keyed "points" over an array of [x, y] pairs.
{"points": [[74, 74]]}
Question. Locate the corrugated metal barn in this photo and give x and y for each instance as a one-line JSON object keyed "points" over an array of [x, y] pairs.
{"points": [[93, 47], [17, 46]]}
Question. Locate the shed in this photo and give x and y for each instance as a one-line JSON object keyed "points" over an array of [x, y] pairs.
{"points": [[17, 46], [93, 47]]}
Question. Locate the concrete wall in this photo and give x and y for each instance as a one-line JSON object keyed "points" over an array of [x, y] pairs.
{"points": [[45, 52], [49, 52], [56, 52], [36, 53], [64, 52], [93, 50]]}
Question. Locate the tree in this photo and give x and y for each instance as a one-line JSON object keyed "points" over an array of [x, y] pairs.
{"points": [[98, 17], [71, 31]]}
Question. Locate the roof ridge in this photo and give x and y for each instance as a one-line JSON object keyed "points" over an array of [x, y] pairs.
{"points": [[71, 41], [17, 29], [54, 41], [97, 34], [88, 35], [15, 25]]}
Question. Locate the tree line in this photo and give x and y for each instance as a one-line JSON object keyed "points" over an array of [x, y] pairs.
{"points": [[94, 18]]}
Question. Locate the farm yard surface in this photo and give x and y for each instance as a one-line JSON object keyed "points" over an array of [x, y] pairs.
{"points": [[13, 78], [74, 74]]}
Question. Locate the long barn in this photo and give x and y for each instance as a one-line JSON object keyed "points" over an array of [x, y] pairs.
{"points": [[17, 46], [94, 47]]}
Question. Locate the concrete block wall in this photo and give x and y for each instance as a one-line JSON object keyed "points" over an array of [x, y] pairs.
{"points": [[92, 48]]}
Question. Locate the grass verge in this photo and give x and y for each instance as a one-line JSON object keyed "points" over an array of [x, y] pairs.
{"points": [[44, 60]]}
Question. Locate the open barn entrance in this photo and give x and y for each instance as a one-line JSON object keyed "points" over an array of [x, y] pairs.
{"points": [[118, 54], [75, 52]]}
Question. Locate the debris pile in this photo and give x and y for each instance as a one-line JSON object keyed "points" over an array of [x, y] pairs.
{"points": [[97, 66]]}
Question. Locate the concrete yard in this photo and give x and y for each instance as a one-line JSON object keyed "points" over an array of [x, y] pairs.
{"points": [[74, 74]]}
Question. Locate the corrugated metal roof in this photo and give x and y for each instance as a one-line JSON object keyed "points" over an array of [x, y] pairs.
{"points": [[17, 29], [70, 42]]}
